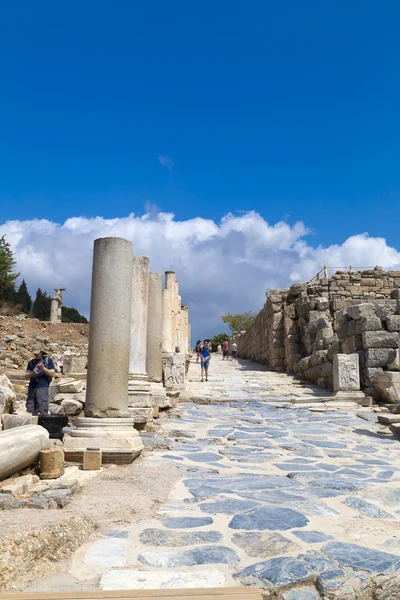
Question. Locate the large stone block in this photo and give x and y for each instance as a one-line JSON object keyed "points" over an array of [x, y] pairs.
{"points": [[11, 421], [378, 357], [369, 324], [341, 316], [352, 344], [174, 371], [347, 329], [368, 375], [361, 310], [380, 339], [71, 387], [393, 323], [20, 448], [394, 360], [388, 385], [73, 363], [346, 376]]}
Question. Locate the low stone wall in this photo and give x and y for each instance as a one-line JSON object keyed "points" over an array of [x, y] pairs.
{"points": [[299, 330]]}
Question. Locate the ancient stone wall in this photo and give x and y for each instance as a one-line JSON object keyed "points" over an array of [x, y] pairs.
{"points": [[301, 329]]}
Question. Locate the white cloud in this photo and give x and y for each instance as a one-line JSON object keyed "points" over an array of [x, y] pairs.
{"points": [[166, 161], [221, 267]]}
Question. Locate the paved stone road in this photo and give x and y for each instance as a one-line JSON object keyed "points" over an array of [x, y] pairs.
{"points": [[271, 494]]}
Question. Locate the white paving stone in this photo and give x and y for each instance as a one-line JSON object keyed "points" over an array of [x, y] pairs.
{"points": [[130, 579]]}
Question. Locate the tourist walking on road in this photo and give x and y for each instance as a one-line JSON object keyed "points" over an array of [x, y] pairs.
{"points": [[198, 350], [205, 360], [39, 371], [234, 351], [226, 350]]}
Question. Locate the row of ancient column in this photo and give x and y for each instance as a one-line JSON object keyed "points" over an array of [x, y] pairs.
{"points": [[138, 346]]}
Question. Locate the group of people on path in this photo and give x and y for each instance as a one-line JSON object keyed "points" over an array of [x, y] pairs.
{"points": [[203, 355]]}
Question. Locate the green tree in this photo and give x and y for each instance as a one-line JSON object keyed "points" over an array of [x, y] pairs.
{"points": [[41, 306], [8, 276], [239, 322], [23, 298], [71, 315], [218, 340]]}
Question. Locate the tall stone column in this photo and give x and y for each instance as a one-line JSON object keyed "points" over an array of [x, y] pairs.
{"points": [[139, 388], [107, 423], [168, 340], [154, 329], [184, 328], [189, 337], [54, 310]]}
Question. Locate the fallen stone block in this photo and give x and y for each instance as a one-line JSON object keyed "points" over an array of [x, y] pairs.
{"points": [[393, 323], [388, 385], [361, 310], [369, 324], [394, 360], [51, 463], [141, 415], [20, 448], [71, 387], [71, 407], [388, 419], [11, 421]]}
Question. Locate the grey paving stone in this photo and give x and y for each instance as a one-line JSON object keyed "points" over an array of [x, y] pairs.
{"points": [[186, 522], [228, 506], [160, 537], [268, 517], [312, 537], [116, 533], [206, 555], [366, 508], [284, 570], [339, 483], [205, 457], [361, 558], [262, 544]]}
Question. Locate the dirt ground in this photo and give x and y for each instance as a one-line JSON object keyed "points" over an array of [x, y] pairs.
{"points": [[66, 332]]}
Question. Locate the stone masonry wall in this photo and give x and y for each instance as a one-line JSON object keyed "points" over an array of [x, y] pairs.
{"points": [[299, 330]]}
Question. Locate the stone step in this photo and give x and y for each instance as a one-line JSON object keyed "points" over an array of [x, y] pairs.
{"points": [[388, 419]]}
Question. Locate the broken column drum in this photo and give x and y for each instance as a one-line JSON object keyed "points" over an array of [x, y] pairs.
{"points": [[107, 423]]}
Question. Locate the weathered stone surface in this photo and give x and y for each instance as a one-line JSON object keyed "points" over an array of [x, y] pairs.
{"points": [[174, 371], [352, 344], [284, 570], [378, 357], [206, 555], [388, 384], [263, 544], [130, 579], [393, 323], [304, 593], [369, 324], [51, 463], [380, 339], [160, 537], [71, 387], [367, 508], [312, 537], [346, 374], [361, 558], [73, 363], [11, 421], [20, 447], [71, 407], [361, 310], [394, 360], [271, 518], [186, 522], [228, 506]]}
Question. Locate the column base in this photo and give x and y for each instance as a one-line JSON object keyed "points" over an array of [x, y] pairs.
{"points": [[117, 438]]}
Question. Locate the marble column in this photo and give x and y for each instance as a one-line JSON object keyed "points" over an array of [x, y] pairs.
{"points": [[189, 337], [107, 423], [154, 329], [168, 344], [139, 399], [54, 310], [184, 328]]}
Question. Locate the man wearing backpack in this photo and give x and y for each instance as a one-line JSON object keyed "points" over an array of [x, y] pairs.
{"points": [[40, 371]]}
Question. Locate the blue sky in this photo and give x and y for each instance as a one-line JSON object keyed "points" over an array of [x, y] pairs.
{"points": [[288, 108]]}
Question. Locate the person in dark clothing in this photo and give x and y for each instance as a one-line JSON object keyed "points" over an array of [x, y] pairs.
{"points": [[40, 371]]}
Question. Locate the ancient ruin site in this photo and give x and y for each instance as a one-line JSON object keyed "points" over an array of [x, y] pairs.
{"points": [[279, 478]]}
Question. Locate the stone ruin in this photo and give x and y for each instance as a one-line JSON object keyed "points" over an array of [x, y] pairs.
{"points": [[340, 332], [136, 361]]}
